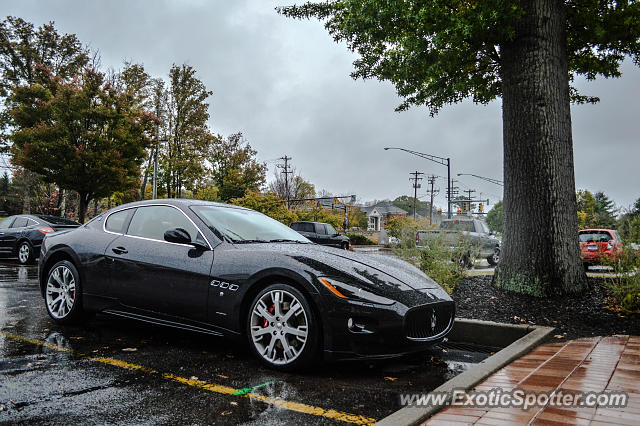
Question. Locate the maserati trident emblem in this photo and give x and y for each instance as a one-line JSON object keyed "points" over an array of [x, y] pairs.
{"points": [[433, 320]]}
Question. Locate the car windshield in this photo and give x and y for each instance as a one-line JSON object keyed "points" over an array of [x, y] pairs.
{"points": [[246, 226], [595, 237]]}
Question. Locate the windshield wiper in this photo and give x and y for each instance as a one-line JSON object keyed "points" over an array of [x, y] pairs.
{"points": [[285, 240], [249, 241]]}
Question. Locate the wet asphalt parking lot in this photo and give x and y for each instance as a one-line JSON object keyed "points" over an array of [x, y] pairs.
{"points": [[117, 371]]}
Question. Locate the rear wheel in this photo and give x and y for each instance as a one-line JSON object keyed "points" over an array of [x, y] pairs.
{"points": [[25, 253], [281, 328], [63, 293]]}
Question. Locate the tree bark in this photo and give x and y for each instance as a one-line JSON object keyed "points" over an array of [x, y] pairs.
{"points": [[540, 252], [83, 204], [143, 187]]}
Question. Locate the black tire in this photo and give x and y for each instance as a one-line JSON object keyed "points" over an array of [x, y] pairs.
{"points": [[62, 282], [307, 352], [494, 258], [25, 253], [585, 265], [344, 246], [465, 261]]}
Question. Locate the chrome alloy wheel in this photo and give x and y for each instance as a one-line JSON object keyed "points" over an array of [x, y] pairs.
{"points": [[24, 252], [61, 292], [279, 327], [496, 257]]}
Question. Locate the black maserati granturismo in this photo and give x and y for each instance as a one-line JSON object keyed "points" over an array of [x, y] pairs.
{"points": [[231, 271]]}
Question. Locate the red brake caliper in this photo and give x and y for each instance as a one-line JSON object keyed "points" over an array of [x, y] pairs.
{"points": [[265, 324]]}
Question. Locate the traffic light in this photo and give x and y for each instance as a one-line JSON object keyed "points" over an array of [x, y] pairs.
{"points": [[459, 210], [480, 207], [466, 207]]}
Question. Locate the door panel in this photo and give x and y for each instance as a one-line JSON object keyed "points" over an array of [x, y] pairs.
{"points": [[157, 276], [152, 274]]}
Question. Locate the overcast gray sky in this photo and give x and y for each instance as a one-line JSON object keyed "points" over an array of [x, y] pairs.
{"points": [[285, 84]]}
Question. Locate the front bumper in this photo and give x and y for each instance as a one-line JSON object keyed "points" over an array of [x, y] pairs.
{"points": [[386, 330]]}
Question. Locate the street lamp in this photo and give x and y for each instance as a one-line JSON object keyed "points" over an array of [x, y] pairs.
{"points": [[439, 160], [494, 181]]}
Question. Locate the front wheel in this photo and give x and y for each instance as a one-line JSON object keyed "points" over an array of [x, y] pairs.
{"points": [[63, 293], [25, 253], [281, 328], [494, 258], [344, 246]]}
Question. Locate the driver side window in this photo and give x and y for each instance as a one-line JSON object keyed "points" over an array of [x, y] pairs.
{"points": [[153, 221]]}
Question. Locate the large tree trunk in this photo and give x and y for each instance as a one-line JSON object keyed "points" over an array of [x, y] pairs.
{"points": [[143, 187], [540, 251], [83, 204]]}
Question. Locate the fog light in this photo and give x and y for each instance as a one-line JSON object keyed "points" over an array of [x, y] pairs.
{"points": [[358, 326]]}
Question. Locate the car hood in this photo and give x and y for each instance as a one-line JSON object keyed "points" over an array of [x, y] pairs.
{"points": [[377, 269]]}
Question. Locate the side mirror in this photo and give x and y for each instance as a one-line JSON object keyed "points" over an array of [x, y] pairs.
{"points": [[177, 235]]}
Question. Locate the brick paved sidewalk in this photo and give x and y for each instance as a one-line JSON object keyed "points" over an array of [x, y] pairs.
{"points": [[595, 364]]}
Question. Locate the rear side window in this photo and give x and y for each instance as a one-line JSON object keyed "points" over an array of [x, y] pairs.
{"points": [[296, 226], [320, 229], [6, 223], [115, 222], [32, 222], [458, 225], [20, 222], [307, 227]]}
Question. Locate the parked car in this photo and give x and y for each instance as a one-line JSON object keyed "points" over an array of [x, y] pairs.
{"points": [[321, 233], [595, 244], [21, 235], [229, 271], [476, 231]]}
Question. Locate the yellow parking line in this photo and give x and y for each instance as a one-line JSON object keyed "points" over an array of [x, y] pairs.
{"points": [[211, 387]]}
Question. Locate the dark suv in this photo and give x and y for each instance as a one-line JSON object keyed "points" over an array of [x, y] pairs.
{"points": [[321, 233]]}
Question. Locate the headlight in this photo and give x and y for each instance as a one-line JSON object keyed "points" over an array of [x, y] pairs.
{"points": [[348, 291]]}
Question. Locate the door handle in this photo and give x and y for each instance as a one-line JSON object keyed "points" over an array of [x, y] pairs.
{"points": [[119, 250]]}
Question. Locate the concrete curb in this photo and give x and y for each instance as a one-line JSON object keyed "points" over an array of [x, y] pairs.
{"points": [[484, 333]]}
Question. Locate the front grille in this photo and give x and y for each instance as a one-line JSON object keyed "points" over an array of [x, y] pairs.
{"points": [[417, 322]]}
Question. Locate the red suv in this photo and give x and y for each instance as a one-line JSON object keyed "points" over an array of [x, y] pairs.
{"points": [[598, 243]]}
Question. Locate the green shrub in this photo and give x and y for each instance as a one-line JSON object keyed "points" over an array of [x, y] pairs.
{"points": [[360, 240], [625, 280], [445, 264]]}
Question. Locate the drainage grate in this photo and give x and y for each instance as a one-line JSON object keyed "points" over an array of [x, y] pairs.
{"points": [[468, 347]]}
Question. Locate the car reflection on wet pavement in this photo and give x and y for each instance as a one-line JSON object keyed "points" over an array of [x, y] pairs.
{"points": [[118, 371]]}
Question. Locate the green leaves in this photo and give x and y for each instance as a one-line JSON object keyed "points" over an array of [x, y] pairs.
{"points": [[441, 52], [83, 135]]}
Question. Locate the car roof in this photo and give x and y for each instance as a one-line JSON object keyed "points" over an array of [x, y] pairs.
{"points": [[597, 230], [184, 202], [307, 221]]}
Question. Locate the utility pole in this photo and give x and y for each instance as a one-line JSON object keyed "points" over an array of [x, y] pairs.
{"points": [[435, 159], [286, 170], [452, 192], [431, 179], [416, 185]]}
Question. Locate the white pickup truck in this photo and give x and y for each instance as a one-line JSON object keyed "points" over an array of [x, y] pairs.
{"points": [[476, 231]]}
